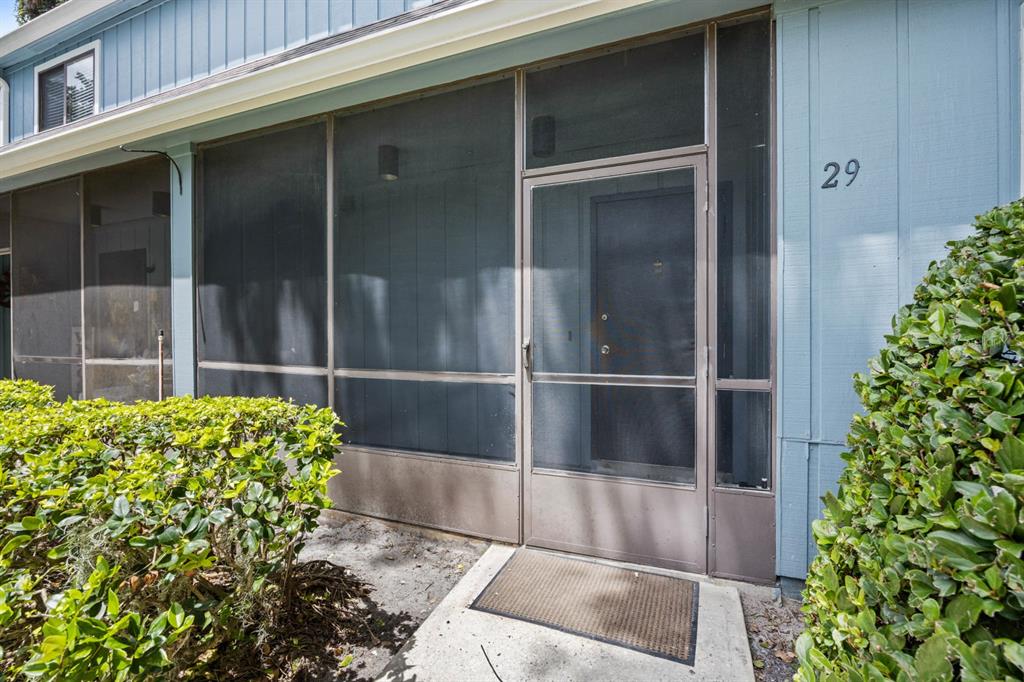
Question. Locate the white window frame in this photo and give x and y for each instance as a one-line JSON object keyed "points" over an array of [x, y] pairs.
{"points": [[93, 47], [5, 112]]}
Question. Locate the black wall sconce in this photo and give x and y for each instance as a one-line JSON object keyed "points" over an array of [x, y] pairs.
{"points": [[542, 135], [95, 215], [387, 162], [162, 204]]}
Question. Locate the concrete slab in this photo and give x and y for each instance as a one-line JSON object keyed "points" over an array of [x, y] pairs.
{"points": [[451, 643]]}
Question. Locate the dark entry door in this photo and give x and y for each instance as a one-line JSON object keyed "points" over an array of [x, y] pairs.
{"points": [[616, 387], [640, 252]]}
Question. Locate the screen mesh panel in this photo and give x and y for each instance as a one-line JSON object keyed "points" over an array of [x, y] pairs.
{"points": [[46, 283], [631, 431], [614, 272], [47, 270], [635, 100], [744, 202], [127, 277], [5, 221], [65, 377], [303, 389], [5, 317], [424, 241], [127, 382], [262, 279], [744, 439], [449, 418], [5, 288]]}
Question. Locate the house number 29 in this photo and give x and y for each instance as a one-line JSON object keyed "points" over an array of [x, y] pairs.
{"points": [[832, 168]]}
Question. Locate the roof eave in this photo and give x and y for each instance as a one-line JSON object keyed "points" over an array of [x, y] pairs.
{"points": [[61, 23]]}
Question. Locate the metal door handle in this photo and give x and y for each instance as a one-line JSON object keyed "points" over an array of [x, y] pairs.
{"points": [[526, 355]]}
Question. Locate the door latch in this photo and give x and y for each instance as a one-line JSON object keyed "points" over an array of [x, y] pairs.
{"points": [[526, 355]]}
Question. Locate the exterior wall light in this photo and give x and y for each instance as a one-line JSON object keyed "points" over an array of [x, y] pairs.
{"points": [[387, 162], [162, 204]]}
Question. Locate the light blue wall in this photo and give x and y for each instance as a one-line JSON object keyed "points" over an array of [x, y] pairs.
{"points": [[162, 45], [924, 93]]}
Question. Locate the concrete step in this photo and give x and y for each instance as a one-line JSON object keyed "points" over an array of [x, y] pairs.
{"points": [[457, 643]]}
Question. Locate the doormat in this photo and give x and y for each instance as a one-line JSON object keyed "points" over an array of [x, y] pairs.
{"points": [[652, 613]]}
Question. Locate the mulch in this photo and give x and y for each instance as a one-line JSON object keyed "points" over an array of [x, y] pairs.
{"points": [[311, 635]]}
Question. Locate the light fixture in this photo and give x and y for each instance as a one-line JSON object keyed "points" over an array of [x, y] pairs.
{"points": [[162, 204], [95, 215], [387, 162], [543, 136]]}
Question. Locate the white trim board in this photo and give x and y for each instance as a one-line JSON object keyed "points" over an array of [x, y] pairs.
{"points": [[5, 112]]}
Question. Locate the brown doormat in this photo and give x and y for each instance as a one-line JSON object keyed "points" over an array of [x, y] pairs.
{"points": [[652, 613]]}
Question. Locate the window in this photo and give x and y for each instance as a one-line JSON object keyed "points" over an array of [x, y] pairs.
{"points": [[5, 112], [66, 87]]}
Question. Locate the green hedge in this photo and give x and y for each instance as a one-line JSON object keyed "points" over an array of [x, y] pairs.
{"points": [[141, 541], [16, 394], [919, 574]]}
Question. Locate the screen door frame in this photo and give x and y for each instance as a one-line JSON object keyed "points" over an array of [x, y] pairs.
{"points": [[675, 512]]}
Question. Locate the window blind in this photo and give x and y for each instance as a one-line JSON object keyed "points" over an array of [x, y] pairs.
{"points": [[51, 98], [80, 88], [67, 92]]}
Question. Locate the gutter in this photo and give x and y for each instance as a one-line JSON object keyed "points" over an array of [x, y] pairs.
{"points": [[435, 35]]}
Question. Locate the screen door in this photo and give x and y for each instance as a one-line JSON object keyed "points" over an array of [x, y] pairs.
{"points": [[614, 358]]}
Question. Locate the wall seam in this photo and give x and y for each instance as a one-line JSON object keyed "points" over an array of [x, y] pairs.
{"points": [[904, 230], [813, 127]]}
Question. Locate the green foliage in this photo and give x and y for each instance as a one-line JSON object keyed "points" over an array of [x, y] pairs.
{"points": [[30, 9], [139, 541], [920, 574], [16, 394]]}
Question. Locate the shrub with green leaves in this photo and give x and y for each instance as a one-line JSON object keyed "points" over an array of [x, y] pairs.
{"points": [[142, 541], [920, 573], [16, 394]]}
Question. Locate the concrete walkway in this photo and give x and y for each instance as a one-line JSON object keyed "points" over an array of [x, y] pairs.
{"points": [[448, 644]]}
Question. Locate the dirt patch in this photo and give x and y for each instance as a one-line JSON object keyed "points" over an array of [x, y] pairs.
{"points": [[360, 589], [395, 576], [773, 624]]}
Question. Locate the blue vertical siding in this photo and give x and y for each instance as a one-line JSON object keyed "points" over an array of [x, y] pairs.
{"points": [[924, 93], [162, 45]]}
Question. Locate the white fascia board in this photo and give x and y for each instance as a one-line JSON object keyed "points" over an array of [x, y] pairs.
{"points": [[58, 18], [436, 36]]}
